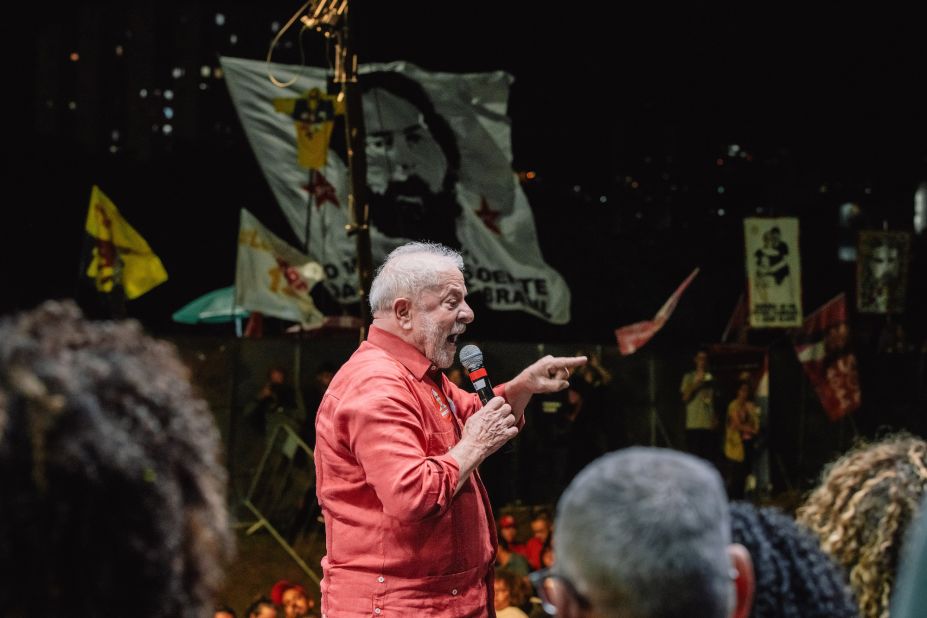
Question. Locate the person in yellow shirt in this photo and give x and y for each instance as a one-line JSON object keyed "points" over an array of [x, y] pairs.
{"points": [[743, 424]]}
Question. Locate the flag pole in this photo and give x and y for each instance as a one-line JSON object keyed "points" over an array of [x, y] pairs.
{"points": [[346, 75], [655, 422], [310, 198], [802, 414]]}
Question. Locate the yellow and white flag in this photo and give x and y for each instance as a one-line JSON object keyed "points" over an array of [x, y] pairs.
{"points": [[120, 255], [272, 277]]}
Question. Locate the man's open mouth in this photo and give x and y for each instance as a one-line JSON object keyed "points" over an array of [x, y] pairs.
{"points": [[453, 338]]}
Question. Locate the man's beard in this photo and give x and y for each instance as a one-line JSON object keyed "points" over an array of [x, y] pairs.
{"points": [[409, 209], [433, 335]]}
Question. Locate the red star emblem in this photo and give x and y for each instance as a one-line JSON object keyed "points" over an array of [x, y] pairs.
{"points": [[321, 190], [488, 216]]}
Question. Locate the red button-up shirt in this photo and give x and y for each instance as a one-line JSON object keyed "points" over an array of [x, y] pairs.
{"points": [[398, 541]]}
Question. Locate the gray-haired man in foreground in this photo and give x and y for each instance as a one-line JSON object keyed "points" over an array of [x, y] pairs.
{"points": [[645, 533]]}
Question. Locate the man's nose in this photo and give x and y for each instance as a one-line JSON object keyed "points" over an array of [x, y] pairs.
{"points": [[401, 158], [466, 313]]}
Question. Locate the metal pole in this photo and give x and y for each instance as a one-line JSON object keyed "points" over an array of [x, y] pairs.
{"points": [[346, 75], [309, 201]]}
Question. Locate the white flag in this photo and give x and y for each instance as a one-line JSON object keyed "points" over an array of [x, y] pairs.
{"points": [[439, 168], [272, 277]]}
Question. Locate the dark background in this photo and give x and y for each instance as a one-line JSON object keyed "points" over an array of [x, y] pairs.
{"points": [[626, 114]]}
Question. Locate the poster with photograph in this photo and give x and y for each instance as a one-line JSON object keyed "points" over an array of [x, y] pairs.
{"points": [[882, 271], [773, 272]]}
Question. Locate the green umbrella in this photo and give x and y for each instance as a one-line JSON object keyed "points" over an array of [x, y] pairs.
{"points": [[216, 307]]}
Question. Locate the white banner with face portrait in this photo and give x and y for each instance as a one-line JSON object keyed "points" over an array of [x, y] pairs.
{"points": [[773, 272], [439, 168], [882, 271]]}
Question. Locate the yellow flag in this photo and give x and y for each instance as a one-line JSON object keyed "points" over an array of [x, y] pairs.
{"points": [[314, 117], [120, 254]]}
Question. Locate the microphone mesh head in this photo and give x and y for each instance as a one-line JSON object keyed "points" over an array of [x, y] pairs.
{"points": [[471, 357]]}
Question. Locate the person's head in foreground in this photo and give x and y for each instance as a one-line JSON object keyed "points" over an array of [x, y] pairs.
{"points": [[645, 533], [861, 511], [112, 491], [794, 578]]}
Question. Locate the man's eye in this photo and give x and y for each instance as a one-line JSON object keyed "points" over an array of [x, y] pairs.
{"points": [[414, 136], [379, 142]]}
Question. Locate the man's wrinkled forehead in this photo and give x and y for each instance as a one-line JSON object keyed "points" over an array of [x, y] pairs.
{"points": [[449, 282]]}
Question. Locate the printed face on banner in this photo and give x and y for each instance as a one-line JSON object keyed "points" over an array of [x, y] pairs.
{"points": [[399, 145], [773, 272], [439, 168], [881, 273], [410, 186]]}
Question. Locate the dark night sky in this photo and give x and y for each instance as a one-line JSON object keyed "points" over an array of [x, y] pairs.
{"points": [[829, 104]]}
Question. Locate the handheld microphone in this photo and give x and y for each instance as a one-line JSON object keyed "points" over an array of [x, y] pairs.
{"points": [[472, 359]]}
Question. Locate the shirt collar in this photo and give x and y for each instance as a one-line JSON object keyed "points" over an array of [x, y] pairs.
{"points": [[406, 353]]}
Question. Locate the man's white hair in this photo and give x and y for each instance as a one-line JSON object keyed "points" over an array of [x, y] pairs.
{"points": [[410, 269]]}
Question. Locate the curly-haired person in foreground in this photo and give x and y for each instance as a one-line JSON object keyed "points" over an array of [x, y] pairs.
{"points": [[861, 512], [794, 578], [112, 494]]}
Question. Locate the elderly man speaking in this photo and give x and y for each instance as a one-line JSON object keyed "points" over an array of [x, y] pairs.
{"points": [[409, 528]]}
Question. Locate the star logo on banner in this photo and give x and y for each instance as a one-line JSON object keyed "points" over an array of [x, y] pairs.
{"points": [[488, 216], [322, 190]]}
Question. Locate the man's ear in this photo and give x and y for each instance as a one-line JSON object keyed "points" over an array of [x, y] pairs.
{"points": [[566, 604], [402, 313], [744, 580]]}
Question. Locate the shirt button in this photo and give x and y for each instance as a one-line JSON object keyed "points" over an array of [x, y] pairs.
{"points": [[377, 610], [380, 579], [454, 591]]}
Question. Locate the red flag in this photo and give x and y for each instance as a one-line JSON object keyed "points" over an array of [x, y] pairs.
{"points": [[737, 324], [255, 327], [632, 337], [822, 346]]}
